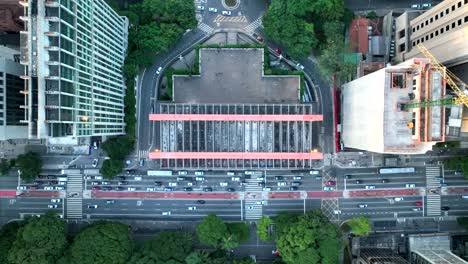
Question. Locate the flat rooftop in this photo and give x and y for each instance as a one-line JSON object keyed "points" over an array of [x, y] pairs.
{"points": [[235, 76], [246, 136]]}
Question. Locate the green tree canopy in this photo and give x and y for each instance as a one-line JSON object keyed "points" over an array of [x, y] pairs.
{"points": [[211, 230], [7, 238], [307, 239], [263, 228], [102, 243], [165, 246], [240, 230], [4, 167], [41, 240], [29, 165], [360, 226], [111, 167]]}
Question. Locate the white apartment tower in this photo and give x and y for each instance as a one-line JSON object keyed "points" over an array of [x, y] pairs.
{"points": [[73, 52]]}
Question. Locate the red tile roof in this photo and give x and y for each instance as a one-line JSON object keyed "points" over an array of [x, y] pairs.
{"points": [[358, 35]]}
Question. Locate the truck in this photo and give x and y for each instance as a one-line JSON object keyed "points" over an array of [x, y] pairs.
{"points": [[159, 173]]}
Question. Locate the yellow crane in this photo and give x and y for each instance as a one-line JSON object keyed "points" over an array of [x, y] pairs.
{"points": [[452, 80]]}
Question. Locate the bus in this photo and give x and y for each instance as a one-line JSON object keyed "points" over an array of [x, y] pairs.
{"points": [[159, 173], [396, 170]]}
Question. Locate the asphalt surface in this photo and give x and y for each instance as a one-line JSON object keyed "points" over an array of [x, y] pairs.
{"points": [[357, 5]]}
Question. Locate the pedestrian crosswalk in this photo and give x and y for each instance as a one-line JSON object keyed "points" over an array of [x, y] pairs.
{"points": [[204, 27], [143, 154], [236, 19], [250, 28], [74, 199], [253, 198], [433, 175]]}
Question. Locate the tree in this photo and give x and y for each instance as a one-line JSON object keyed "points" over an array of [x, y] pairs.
{"points": [[165, 246], [263, 227], [40, 240], [102, 243], [360, 226], [4, 167], [29, 165], [246, 260], [197, 257], [118, 147], [307, 239], [7, 238], [239, 230], [371, 15], [463, 221], [459, 164], [211, 230], [111, 168]]}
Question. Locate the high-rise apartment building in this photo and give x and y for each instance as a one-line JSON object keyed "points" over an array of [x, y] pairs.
{"points": [[441, 29], [11, 98], [73, 52]]}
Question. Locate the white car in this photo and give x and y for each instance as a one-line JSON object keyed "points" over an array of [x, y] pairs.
{"points": [[362, 205], [410, 185], [298, 178], [92, 206], [226, 13], [59, 188], [337, 212], [199, 173], [212, 9], [132, 189], [300, 66], [260, 178], [95, 163], [200, 7], [260, 202], [173, 184], [267, 189], [328, 188], [398, 199], [159, 70], [23, 188], [52, 206], [199, 178], [223, 184], [98, 178], [250, 207], [182, 172], [235, 178], [138, 178], [149, 189], [55, 200], [281, 183], [49, 188], [192, 208], [231, 173], [166, 213], [370, 187], [106, 183], [94, 183]]}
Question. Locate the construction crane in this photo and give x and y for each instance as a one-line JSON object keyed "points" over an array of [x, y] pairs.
{"points": [[452, 80]]}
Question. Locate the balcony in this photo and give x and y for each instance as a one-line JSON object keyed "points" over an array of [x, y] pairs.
{"points": [[52, 4], [52, 77], [51, 34], [24, 18], [52, 18], [25, 77], [52, 48], [24, 3]]}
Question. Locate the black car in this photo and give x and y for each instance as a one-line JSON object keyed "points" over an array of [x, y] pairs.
{"points": [[157, 184], [296, 183], [445, 208], [385, 180], [201, 202], [358, 181], [118, 188], [348, 177], [122, 178], [50, 177], [208, 189], [188, 189], [293, 188], [279, 178], [231, 189], [106, 188]]}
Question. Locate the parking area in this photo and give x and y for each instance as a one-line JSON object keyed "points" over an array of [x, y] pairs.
{"points": [[234, 76]]}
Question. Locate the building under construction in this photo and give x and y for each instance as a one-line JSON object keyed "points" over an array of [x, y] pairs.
{"points": [[384, 111]]}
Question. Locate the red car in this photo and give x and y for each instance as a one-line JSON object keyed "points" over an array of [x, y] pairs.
{"points": [[419, 203], [96, 188], [278, 51], [330, 183]]}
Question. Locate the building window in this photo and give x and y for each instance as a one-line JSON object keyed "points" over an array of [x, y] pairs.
{"points": [[1, 82], [398, 80], [459, 22], [432, 35], [422, 25], [436, 17], [446, 11], [422, 40], [459, 4], [437, 33], [427, 37], [466, 19], [432, 19], [453, 25], [414, 30], [402, 47], [441, 14], [1, 74], [427, 22], [466, 2], [414, 43], [442, 31], [417, 28], [401, 33], [417, 41], [447, 28], [453, 8]]}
